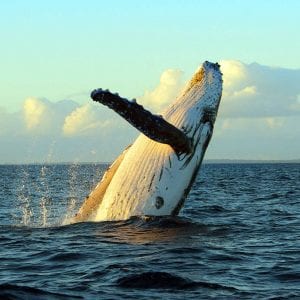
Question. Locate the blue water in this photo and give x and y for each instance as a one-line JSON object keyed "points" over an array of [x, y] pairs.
{"points": [[237, 237]]}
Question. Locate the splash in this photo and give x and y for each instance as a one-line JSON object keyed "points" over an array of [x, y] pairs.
{"points": [[45, 201], [48, 194], [72, 200], [35, 185], [24, 201]]}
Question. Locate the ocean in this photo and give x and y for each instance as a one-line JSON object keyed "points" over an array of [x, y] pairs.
{"points": [[237, 237]]}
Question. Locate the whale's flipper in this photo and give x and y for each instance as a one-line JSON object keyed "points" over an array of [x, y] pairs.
{"points": [[92, 202], [153, 126]]}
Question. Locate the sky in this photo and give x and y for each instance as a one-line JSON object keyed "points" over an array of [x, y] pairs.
{"points": [[54, 53]]}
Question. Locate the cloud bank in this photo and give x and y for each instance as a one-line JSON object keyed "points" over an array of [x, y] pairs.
{"points": [[258, 119], [259, 91], [259, 114]]}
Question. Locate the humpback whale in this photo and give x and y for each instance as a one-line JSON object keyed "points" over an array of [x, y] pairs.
{"points": [[153, 176]]}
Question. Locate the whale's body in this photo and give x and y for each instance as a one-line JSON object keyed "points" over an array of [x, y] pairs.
{"points": [[150, 177]]}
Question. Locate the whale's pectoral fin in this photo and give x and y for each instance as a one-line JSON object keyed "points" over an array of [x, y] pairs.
{"points": [[153, 126]]}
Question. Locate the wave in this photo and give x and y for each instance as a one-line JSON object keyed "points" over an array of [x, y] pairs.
{"points": [[16, 292], [152, 229], [164, 280], [136, 230]]}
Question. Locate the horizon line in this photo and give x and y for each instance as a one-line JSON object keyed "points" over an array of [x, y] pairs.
{"points": [[209, 161]]}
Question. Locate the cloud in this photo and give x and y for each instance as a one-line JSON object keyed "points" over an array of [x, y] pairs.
{"points": [[234, 75], [166, 91], [255, 126], [258, 91], [35, 111], [247, 91], [66, 118], [256, 138], [84, 120], [45, 131], [43, 117]]}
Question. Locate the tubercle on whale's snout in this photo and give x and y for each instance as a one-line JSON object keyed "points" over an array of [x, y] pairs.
{"points": [[215, 66]]}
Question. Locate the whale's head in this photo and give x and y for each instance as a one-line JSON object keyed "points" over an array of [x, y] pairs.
{"points": [[199, 101], [206, 85]]}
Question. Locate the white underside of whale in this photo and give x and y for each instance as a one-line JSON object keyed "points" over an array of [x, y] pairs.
{"points": [[149, 172], [150, 178]]}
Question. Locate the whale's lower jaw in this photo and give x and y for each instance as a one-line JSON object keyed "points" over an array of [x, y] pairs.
{"points": [[153, 177]]}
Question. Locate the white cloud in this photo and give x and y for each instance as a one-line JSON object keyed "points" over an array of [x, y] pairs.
{"points": [[43, 117], [247, 91], [258, 91], [83, 121], [255, 126], [37, 114], [256, 138], [167, 90], [62, 131], [234, 75], [34, 110]]}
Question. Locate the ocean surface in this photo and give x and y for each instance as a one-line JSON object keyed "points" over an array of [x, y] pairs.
{"points": [[237, 237]]}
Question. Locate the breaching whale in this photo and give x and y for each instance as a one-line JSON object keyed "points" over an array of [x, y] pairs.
{"points": [[153, 176]]}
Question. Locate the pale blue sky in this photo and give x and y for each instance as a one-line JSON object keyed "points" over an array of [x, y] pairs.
{"points": [[62, 49], [58, 48]]}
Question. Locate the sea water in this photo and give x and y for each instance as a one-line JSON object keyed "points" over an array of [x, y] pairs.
{"points": [[237, 237]]}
